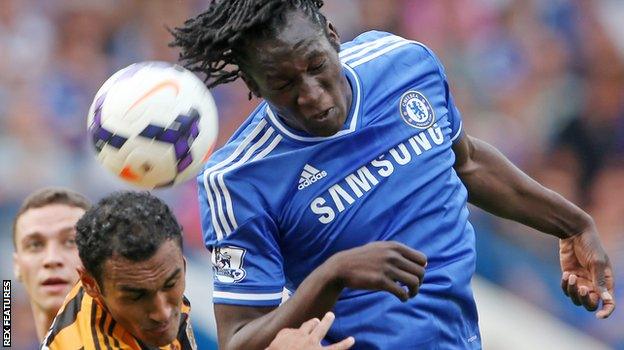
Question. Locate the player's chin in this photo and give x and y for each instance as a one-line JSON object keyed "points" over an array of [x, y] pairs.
{"points": [[326, 125], [160, 338], [324, 128]]}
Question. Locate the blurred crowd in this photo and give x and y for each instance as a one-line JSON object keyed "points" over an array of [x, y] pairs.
{"points": [[541, 80]]}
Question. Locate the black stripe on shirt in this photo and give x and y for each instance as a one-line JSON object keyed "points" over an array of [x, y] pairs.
{"points": [[145, 346], [67, 317], [104, 335], [111, 328], [96, 342]]}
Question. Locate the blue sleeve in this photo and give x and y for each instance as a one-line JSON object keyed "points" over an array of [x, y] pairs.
{"points": [[454, 116], [242, 238]]}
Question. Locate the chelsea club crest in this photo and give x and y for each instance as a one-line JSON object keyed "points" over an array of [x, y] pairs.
{"points": [[416, 110]]}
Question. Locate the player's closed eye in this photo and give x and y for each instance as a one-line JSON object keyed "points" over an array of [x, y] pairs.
{"points": [[317, 68], [170, 285], [282, 86], [136, 297]]}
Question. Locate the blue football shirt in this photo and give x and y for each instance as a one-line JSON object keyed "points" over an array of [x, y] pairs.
{"points": [[276, 202]]}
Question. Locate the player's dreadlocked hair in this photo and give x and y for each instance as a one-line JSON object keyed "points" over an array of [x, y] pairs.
{"points": [[208, 42]]}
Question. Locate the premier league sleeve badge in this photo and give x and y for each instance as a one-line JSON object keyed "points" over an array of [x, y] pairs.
{"points": [[227, 263]]}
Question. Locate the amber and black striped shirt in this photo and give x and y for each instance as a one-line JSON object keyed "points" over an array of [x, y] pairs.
{"points": [[83, 324]]}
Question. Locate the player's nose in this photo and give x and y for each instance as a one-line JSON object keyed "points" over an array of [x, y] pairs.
{"points": [[52, 257], [310, 92], [161, 311]]}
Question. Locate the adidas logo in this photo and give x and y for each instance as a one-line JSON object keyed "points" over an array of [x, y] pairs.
{"points": [[310, 175]]}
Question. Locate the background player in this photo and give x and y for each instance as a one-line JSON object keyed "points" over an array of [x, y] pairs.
{"points": [[338, 116], [46, 259]]}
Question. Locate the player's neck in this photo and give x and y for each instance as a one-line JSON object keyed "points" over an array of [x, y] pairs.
{"points": [[348, 93], [43, 320]]}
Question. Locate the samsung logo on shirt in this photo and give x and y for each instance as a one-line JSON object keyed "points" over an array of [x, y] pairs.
{"points": [[364, 179]]}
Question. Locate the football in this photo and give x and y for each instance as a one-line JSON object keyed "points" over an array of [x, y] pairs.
{"points": [[153, 124]]}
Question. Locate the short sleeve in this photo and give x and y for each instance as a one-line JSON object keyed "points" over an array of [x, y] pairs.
{"points": [[454, 116], [242, 238]]}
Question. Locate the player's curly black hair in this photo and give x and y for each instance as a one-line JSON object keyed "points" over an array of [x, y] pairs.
{"points": [[129, 224], [209, 42]]}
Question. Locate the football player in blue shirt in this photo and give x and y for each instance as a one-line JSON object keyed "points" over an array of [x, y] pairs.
{"points": [[353, 169]]}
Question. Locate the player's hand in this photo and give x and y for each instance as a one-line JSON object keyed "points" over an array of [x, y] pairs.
{"points": [[308, 336], [587, 273], [385, 266]]}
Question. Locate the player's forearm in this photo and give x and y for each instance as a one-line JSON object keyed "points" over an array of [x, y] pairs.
{"points": [[499, 187], [316, 295]]}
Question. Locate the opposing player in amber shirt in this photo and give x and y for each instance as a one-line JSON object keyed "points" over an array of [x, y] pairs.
{"points": [[130, 294]]}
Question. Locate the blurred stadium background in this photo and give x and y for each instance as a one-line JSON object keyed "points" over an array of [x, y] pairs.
{"points": [[542, 80]]}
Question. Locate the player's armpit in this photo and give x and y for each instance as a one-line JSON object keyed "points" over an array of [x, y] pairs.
{"points": [[463, 148]]}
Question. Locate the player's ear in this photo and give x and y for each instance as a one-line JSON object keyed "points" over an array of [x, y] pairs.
{"points": [[89, 283], [251, 85], [16, 268], [332, 35]]}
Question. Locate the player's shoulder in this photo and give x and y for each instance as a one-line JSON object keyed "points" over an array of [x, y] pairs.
{"points": [[249, 133], [370, 49], [255, 141]]}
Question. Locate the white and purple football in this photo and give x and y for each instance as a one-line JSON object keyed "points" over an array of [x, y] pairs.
{"points": [[153, 124]]}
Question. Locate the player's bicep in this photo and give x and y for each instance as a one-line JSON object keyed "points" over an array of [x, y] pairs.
{"points": [[477, 165], [471, 163], [232, 318]]}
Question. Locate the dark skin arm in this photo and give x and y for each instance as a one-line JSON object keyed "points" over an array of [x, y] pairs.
{"points": [[497, 186], [375, 266]]}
